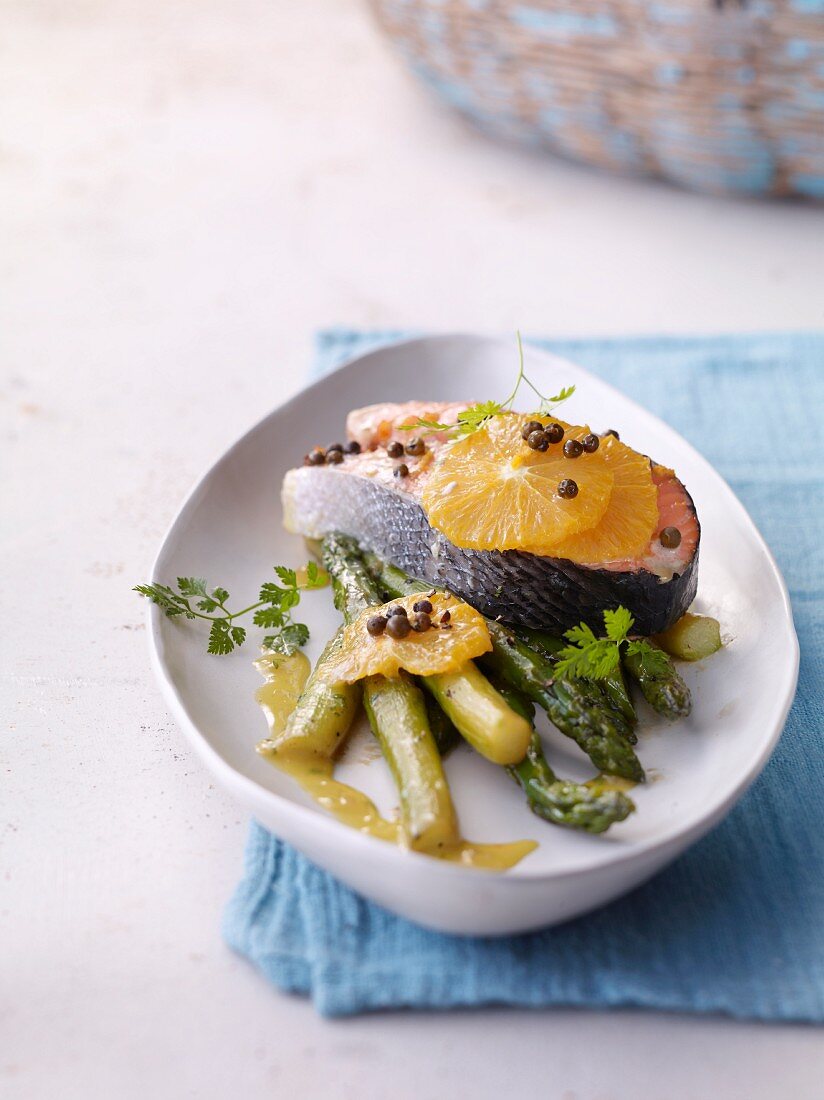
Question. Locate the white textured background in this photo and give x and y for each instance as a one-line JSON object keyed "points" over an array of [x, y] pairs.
{"points": [[187, 190]]}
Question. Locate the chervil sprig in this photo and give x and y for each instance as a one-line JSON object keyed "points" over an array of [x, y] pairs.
{"points": [[588, 657], [273, 609], [476, 416]]}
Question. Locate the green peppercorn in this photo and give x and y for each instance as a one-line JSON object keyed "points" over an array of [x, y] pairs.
{"points": [[573, 449], [538, 441], [376, 624], [670, 537], [554, 433], [398, 626], [394, 448], [415, 447], [590, 443], [530, 427], [568, 488]]}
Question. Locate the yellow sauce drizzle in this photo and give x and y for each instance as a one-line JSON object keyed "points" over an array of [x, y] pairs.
{"points": [[605, 782], [285, 678]]}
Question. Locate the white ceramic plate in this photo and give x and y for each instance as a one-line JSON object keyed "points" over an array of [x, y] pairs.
{"points": [[229, 530]]}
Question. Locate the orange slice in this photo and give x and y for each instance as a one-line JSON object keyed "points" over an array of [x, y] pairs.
{"points": [[490, 491], [631, 517], [440, 649]]}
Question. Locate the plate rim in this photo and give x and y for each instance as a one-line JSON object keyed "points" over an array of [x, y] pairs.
{"points": [[250, 790]]}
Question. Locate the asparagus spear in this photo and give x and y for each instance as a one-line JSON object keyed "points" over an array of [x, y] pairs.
{"points": [[480, 713], [397, 714], [660, 684], [691, 638], [392, 579], [560, 801], [567, 703], [443, 729], [613, 688], [353, 587], [323, 715]]}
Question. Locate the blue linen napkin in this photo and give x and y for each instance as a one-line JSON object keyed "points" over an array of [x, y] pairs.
{"points": [[735, 925]]}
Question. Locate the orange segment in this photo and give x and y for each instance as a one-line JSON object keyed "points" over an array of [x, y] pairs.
{"points": [[631, 517], [433, 651], [490, 491]]}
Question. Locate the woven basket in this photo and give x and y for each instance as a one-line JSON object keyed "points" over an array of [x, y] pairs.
{"points": [[716, 95]]}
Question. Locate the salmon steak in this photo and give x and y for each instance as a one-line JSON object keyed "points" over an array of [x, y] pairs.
{"points": [[531, 520]]}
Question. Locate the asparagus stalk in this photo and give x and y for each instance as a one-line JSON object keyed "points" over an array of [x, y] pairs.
{"points": [[397, 714], [660, 684], [323, 715], [353, 587], [481, 713], [560, 801], [566, 702], [393, 580], [443, 729], [569, 706], [613, 689], [692, 638]]}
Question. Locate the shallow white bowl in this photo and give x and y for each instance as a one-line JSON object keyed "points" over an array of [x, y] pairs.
{"points": [[229, 531]]}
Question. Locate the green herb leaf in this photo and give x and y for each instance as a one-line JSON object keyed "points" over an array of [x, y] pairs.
{"points": [[566, 392], [268, 617], [272, 611], [594, 661], [191, 586], [163, 596], [220, 640], [290, 599], [289, 639], [270, 593], [588, 657], [473, 418], [581, 635], [549, 404], [618, 624], [315, 577], [430, 425], [656, 661]]}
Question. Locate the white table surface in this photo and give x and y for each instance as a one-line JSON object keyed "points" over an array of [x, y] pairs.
{"points": [[187, 191]]}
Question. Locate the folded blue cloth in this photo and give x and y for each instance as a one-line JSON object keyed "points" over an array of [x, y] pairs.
{"points": [[737, 924]]}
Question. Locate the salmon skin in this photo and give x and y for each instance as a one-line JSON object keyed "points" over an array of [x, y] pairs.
{"points": [[362, 498]]}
